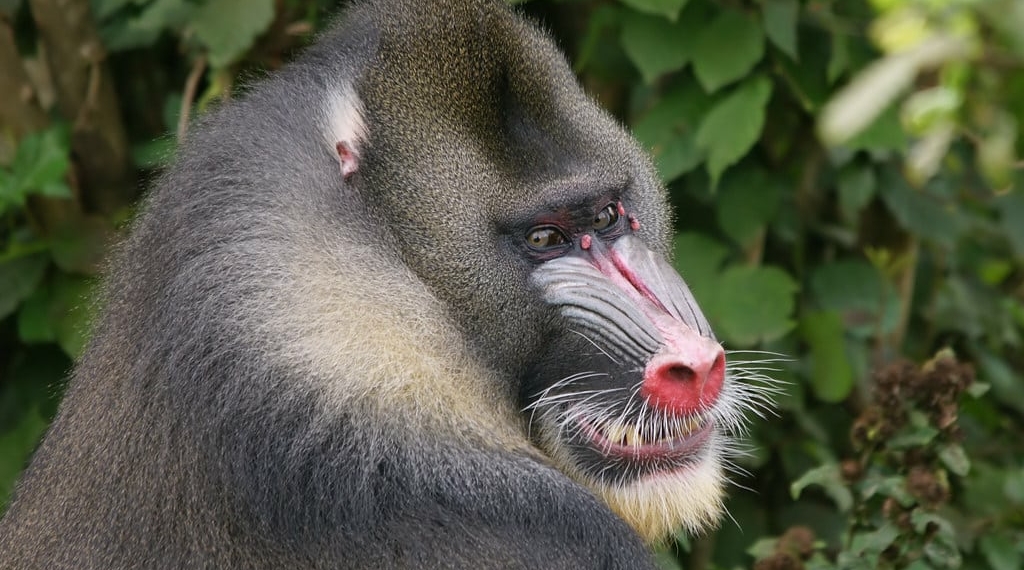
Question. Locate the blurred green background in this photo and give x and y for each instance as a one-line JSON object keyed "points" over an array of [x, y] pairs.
{"points": [[847, 177]]}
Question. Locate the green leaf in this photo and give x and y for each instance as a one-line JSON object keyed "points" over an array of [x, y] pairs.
{"points": [[36, 319], [850, 561], [228, 28], [1011, 209], [830, 480], [955, 459], [727, 49], [79, 247], [665, 559], [754, 304], [920, 211], [103, 9], [910, 437], [857, 292], [884, 134], [10, 194], [733, 125], [747, 200], [655, 45], [43, 159], [1001, 552], [668, 8], [984, 490], [60, 312], [997, 152], [678, 156], [860, 102], [154, 154], [839, 57], [894, 487], [924, 520], [70, 310], [699, 259], [806, 79], [35, 382], [1007, 384], [1013, 487], [669, 129], [848, 285], [872, 543], [39, 167], [941, 549], [856, 185], [831, 371], [978, 389], [19, 277], [144, 28], [763, 548], [16, 446], [780, 18]]}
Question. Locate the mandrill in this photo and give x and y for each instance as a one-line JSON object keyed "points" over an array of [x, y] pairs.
{"points": [[404, 304]]}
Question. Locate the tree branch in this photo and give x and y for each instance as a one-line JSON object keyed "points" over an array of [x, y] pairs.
{"points": [[86, 96]]}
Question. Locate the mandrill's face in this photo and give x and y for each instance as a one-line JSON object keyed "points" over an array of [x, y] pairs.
{"points": [[633, 398]]}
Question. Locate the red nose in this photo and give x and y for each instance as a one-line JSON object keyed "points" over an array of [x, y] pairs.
{"points": [[685, 377]]}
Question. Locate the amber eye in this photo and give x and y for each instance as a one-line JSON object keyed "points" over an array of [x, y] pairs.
{"points": [[606, 218], [546, 237]]}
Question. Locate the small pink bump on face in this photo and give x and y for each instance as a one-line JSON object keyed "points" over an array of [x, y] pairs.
{"points": [[686, 379], [585, 241], [620, 208], [634, 224], [348, 158]]}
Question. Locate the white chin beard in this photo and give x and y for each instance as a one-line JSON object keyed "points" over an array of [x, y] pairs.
{"points": [[658, 505]]}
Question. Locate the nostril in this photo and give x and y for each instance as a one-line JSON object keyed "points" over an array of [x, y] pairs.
{"points": [[679, 373]]}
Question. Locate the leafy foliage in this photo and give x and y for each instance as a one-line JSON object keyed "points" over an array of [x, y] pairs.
{"points": [[846, 178]]}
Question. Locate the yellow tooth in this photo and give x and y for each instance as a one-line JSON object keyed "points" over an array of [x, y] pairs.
{"points": [[675, 430], [690, 424], [615, 433], [633, 439], [683, 427]]}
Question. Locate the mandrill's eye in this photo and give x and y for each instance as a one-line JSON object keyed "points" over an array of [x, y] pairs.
{"points": [[606, 218], [546, 237]]}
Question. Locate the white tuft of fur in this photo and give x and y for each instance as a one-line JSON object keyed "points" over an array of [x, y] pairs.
{"points": [[343, 119], [659, 505]]}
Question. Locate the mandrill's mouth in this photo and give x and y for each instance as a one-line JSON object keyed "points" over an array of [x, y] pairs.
{"points": [[609, 448], [672, 440]]}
